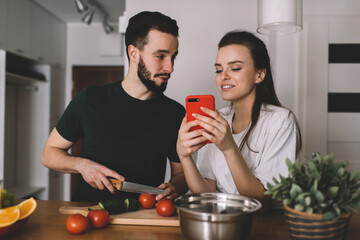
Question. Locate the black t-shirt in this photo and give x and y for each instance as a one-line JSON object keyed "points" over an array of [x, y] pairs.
{"points": [[130, 136]]}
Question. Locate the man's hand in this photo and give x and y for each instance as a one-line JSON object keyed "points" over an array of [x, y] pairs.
{"points": [[170, 191], [96, 175], [56, 157], [177, 184]]}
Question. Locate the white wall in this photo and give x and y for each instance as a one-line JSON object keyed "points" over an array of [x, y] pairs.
{"points": [[90, 46], [331, 6], [202, 23]]}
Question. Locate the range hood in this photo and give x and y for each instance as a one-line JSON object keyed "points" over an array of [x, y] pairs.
{"points": [[22, 70]]}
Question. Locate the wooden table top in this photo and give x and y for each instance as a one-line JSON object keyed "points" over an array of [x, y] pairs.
{"points": [[47, 223]]}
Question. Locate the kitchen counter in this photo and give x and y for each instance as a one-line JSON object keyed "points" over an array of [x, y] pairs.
{"points": [[47, 223]]}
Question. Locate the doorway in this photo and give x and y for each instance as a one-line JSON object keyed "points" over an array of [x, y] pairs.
{"points": [[85, 76]]}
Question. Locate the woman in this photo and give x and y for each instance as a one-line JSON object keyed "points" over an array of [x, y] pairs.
{"points": [[252, 138]]}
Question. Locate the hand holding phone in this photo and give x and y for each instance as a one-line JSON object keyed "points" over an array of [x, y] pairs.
{"points": [[193, 104]]}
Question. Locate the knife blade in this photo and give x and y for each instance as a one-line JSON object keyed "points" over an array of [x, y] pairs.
{"points": [[134, 187]]}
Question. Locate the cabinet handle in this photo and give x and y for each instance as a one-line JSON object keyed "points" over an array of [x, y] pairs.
{"points": [[19, 51]]}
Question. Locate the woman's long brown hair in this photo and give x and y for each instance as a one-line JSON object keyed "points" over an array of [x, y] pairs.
{"points": [[265, 91]]}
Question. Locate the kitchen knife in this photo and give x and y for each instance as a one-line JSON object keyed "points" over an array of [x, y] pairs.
{"points": [[134, 187]]}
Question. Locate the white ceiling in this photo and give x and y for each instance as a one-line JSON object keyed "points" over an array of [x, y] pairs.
{"points": [[66, 9]]}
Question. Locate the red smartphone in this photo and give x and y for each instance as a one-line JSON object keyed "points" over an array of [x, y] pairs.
{"points": [[193, 104]]}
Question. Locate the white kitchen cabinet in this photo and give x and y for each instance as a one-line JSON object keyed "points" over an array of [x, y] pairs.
{"points": [[57, 99], [19, 27], [25, 117], [40, 34], [58, 43], [30, 108], [33, 32], [57, 106], [3, 24]]}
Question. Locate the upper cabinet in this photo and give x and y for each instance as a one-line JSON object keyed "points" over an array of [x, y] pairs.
{"points": [[58, 43], [31, 31], [19, 27], [40, 34], [3, 24]]}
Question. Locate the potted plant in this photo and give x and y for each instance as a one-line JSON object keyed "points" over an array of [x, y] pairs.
{"points": [[319, 197]]}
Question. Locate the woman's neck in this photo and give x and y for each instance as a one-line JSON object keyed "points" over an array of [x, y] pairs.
{"points": [[242, 115]]}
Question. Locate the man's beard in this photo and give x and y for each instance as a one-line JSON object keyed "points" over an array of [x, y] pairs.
{"points": [[145, 77]]}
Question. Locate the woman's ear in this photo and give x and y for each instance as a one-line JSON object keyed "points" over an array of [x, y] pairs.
{"points": [[260, 75], [133, 53]]}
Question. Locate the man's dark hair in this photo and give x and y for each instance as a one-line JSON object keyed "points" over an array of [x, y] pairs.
{"points": [[140, 25]]}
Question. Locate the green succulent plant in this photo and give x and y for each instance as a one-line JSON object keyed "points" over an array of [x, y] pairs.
{"points": [[319, 185]]}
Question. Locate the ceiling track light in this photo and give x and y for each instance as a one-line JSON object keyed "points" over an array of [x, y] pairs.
{"points": [[81, 6], [95, 6], [88, 17], [108, 29]]}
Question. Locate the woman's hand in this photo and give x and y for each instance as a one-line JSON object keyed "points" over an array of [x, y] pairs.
{"points": [[217, 129], [189, 142]]}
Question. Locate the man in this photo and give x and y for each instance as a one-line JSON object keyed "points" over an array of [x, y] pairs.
{"points": [[128, 128]]}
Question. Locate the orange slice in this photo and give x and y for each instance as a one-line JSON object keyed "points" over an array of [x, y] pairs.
{"points": [[27, 207], [9, 216]]}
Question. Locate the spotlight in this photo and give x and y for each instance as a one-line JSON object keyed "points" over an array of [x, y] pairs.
{"points": [[108, 29], [88, 17], [81, 6]]}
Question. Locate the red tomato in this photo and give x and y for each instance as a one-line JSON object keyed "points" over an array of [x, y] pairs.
{"points": [[77, 223], [147, 200], [165, 208], [98, 218]]}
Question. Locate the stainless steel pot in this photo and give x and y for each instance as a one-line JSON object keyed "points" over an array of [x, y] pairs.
{"points": [[215, 215]]}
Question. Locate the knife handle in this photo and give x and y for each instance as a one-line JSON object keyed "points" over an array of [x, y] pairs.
{"points": [[72, 210], [116, 183]]}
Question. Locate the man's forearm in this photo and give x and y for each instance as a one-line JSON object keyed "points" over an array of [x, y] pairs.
{"points": [[59, 160]]}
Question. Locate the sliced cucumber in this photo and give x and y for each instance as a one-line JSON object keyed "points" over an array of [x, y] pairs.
{"points": [[94, 208], [132, 204], [120, 205]]}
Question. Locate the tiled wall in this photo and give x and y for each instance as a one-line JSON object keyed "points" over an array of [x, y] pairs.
{"points": [[344, 93]]}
